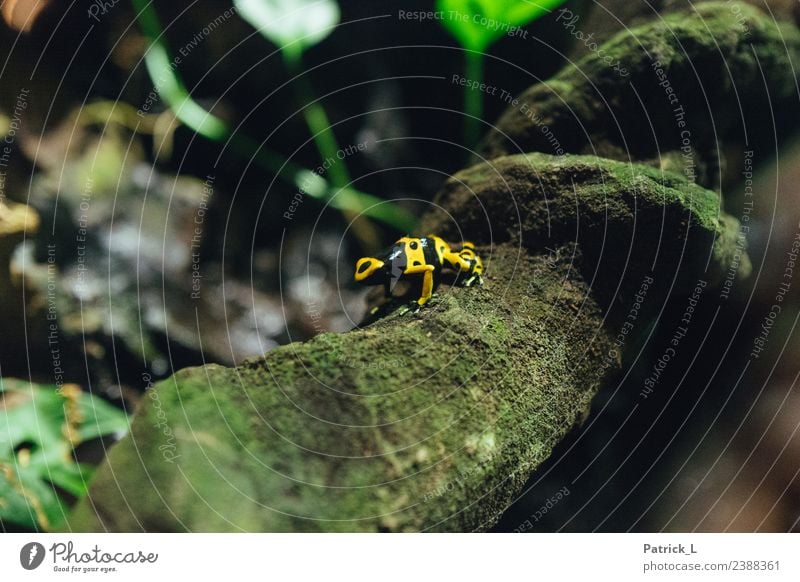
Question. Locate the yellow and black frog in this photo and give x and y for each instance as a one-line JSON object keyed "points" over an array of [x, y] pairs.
{"points": [[423, 259]]}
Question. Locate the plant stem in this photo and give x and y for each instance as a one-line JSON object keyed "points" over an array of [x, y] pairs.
{"points": [[317, 122], [172, 89], [473, 98], [328, 148]]}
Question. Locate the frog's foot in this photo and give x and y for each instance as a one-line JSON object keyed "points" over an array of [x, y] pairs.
{"points": [[411, 308], [384, 309], [473, 280]]}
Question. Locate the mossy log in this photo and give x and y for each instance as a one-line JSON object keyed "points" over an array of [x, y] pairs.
{"points": [[434, 421], [689, 93], [430, 421]]}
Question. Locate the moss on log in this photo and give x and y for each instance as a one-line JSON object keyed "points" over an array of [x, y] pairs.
{"points": [[423, 422], [722, 73]]}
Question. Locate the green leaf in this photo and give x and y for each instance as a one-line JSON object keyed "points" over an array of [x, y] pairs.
{"points": [[28, 501], [477, 24], [39, 427], [99, 418], [71, 477], [30, 415], [293, 25]]}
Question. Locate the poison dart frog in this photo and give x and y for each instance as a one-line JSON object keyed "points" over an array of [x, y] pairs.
{"points": [[423, 258]]}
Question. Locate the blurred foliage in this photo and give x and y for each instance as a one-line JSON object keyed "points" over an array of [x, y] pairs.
{"points": [[40, 427], [484, 22], [168, 82], [301, 24], [21, 14], [293, 25], [477, 25]]}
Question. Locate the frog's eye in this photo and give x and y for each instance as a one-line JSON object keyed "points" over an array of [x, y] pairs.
{"points": [[367, 267]]}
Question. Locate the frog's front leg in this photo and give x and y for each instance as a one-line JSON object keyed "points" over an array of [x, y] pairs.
{"points": [[427, 283], [427, 286], [473, 279]]}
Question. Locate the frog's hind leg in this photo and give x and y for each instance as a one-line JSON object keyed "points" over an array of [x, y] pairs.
{"points": [[475, 272], [466, 262], [456, 261]]}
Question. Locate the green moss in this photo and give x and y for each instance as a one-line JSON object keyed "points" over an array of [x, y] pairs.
{"points": [[628, 219], [720, 61]]}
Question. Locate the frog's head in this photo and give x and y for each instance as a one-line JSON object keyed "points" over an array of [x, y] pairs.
{"points": [[370, 271]]}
